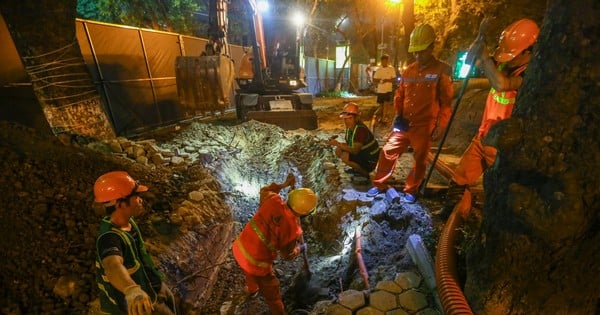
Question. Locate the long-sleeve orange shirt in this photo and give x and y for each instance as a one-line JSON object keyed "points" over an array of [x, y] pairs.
{"points": [[424, 95], [273, 228]]}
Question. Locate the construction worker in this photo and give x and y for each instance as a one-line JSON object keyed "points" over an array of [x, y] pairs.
{"points": [[384, 78], [505, 74], [361, 150], [422, 105], [128, 280], [274, 228]]}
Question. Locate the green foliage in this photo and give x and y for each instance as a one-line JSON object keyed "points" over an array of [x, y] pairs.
{"points": [[179, 16], [332, 94]]}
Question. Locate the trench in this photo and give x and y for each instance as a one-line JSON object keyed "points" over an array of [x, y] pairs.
{"points": [[245, 157]]}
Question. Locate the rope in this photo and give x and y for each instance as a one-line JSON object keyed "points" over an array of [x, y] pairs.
{"points": [[44, 77], [53, 51]]}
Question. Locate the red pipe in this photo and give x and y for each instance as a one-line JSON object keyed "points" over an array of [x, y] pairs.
{"points": [[361, 263], [451, 295]]}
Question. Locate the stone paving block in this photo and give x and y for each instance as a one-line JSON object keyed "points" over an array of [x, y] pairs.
{"points": [[383, 300], [397, 311], [369, 310], [337, 309], [389, 286], [352, 299], [408, 280], [412, 300]]}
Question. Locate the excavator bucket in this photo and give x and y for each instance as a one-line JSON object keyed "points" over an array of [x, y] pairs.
{"points": [[204, 83]]}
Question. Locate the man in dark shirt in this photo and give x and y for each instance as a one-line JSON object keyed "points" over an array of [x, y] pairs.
{"points": [[361, 150], [128, 280]]}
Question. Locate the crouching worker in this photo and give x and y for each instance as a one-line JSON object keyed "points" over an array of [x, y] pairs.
{"points": [[361, 150], [273, 228], [128, 280]]}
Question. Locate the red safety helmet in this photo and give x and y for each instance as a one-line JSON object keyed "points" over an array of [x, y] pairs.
{"points": [[515, 38], [116, 185], [349, 110]]}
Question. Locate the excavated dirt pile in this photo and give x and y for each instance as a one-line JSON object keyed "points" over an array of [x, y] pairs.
{"points": [[204, 180]]}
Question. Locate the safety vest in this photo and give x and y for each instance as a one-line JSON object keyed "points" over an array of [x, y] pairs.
{"points": [[272, 227], [499, 105], [370, 148], [134, 260]]}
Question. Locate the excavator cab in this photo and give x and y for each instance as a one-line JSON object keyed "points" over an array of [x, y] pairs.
{"points": [[268, 80], [270, 75]]}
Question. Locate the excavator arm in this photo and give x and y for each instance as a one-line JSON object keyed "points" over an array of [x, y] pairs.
{"points": [[268, 77]]}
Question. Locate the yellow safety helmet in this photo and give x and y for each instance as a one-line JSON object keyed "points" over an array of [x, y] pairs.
{"points": [[421, 37], [302, 201]]}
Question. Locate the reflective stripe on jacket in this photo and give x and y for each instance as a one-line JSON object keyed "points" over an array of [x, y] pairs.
{"points": [[499, 105], [370, 147], [134, 260], [272, 227], [424, 95]]}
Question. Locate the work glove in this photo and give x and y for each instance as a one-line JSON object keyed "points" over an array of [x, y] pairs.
{"points": [[138, 301]]}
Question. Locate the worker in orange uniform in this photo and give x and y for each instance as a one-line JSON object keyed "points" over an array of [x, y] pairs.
{"points": [[505, 74], [422, 105], [274, 228], [128, 280], [361, 150]]}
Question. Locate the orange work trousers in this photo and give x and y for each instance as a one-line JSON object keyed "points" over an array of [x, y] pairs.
{"points": [[476, 159], [419, 137], [269, 288]]}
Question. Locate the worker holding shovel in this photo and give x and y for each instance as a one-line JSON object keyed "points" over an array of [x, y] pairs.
{"points": [[273, 229], [504, 71]]}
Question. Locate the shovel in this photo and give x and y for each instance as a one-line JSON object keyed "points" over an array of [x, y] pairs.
{"points": [[304, 249], [471, 58]]}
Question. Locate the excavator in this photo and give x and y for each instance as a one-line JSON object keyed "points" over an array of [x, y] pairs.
{"points": [[268, 77]]}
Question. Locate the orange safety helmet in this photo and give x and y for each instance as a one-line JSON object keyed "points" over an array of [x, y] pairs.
{"points": [[116, 185], [515, 38], [349, 110]]}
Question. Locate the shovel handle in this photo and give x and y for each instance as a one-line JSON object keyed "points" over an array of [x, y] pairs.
{"points": [[480, 36], [305, 254]]}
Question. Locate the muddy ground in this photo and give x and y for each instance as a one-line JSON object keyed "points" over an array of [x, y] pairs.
{"points": [[48, 221]]}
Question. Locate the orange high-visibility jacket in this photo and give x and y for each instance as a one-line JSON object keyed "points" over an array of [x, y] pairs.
{"points": [[272, 228], [499, 105], [424, 95]]}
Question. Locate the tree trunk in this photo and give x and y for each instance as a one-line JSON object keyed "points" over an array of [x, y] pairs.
{"points": [[538, 248], [44, 34], [408, 20]]}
